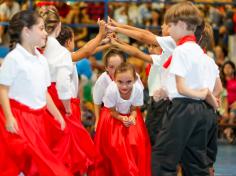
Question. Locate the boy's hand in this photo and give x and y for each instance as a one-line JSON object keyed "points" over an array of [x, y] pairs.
{"points": [[112, 22], [159, 94]]}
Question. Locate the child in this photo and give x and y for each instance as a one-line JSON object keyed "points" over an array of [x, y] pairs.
{"points": [[74, 147], [121, 135], [24, 78], [156, 77], [112, 59], [184, 133]]}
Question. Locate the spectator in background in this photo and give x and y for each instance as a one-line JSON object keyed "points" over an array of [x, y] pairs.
{"points": [[7, 9], [220, 55], [228, 77]]}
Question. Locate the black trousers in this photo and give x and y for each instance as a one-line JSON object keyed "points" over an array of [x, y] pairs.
{"points": [[155, 114], [182, 138], [212, 135]]}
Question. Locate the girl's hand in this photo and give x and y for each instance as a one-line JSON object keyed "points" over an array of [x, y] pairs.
{"points": [[132, 120], [61, 121], [11, 125], [110, 28], [102, 27], [125, 121]]}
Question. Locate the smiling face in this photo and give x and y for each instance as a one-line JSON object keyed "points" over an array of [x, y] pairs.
{"points": [[125, 81]]}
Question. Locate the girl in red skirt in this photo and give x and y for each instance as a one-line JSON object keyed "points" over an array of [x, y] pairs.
{"points": [[121, 135], [24, 78], [74, 145]]}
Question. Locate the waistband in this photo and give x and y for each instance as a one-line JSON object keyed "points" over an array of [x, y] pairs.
{"points": [[18, 105]]}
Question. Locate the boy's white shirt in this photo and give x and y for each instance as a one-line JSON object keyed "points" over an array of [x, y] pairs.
{"points": [[158, 75]]}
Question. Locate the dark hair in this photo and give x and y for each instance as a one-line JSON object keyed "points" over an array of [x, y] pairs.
{"points": [[20, 20], [186, 12], [65, 35], [222, 74], [113, 52], [205, 36], [124, 67], [51, 18]]}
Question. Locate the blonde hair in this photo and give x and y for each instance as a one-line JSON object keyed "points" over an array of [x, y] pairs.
{"points": [[51, 17]]}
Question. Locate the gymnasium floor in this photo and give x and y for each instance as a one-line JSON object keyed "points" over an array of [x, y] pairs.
{"points": [[226, 159]]}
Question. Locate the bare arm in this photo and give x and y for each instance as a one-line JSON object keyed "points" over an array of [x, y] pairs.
{"points": [[185, 91], [11, 123], [101, 48], [54, 111], [132, 51], [148, 38], [218, 87], [97, 109], [88, 49]]}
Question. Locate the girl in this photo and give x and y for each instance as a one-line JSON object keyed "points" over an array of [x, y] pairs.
{"points": [[228, 76], [112, 59], [74, 147], [121, 135], [24, 78]]}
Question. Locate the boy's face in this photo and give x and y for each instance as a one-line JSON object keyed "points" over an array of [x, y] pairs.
{"points": [[165, 29], [177, 30]]}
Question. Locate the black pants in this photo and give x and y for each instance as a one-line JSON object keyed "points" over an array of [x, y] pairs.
{"points": [[183, 137], [155, 114], [212, 135]]}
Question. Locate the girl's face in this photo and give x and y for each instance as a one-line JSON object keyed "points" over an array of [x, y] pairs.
{"points": [[113, 62], [125, 82], [37, 35], [228, 70]]}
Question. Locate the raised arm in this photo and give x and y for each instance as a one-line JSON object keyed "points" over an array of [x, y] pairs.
{"points": [[88, 49], [131, 50]]}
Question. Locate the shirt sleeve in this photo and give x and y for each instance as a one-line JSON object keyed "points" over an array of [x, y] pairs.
{"points": [[166, 43], [156, 59], [138, 96], [63, 77], [98, 91], [179, 63], [8, 71], [110, 96]]}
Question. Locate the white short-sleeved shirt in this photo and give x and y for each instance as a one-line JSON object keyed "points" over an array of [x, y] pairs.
{"points": [[189, 62], [158, 75], [9, 12], [212, 73], [100, 87], [112, 98], [62, 70], [27, 76]]}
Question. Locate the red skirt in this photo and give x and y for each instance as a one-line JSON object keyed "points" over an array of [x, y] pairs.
{"points": [[126, 151], [73, 146], [27, 149]]}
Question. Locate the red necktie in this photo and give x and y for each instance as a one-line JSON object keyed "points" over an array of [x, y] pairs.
{"points": [[181, 41]]}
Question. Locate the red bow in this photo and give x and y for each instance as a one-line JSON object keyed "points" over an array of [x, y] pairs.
{"points": [[181, 41]]}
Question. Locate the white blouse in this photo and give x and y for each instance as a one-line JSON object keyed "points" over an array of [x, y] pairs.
{"points": [[27, 76], [112, 98], [62, 70]]}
